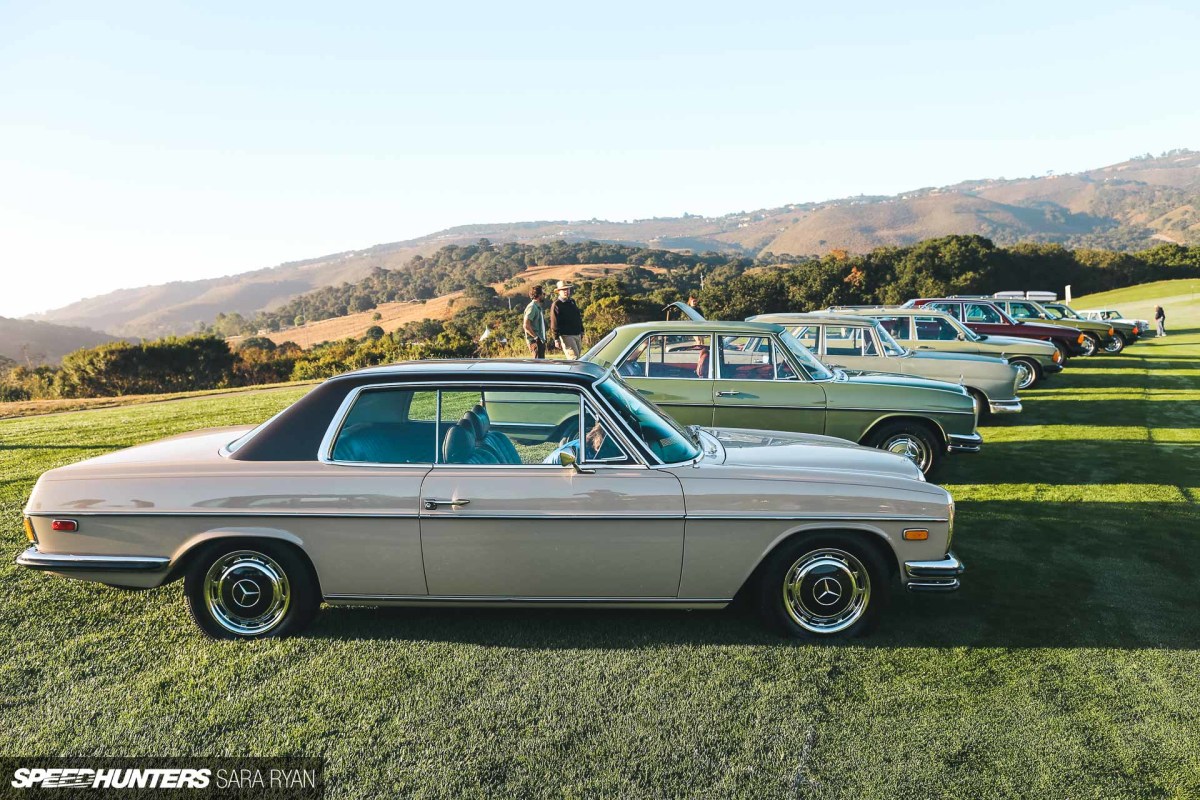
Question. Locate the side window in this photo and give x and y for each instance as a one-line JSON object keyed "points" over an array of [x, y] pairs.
{"points": [[747, 358], [953, 309], [1021, 311], [808, 335], [783, 368], [670, 356], [934, 329], [977, 312], [849, 340], [896, 326], [389, 426], [599, 444], [509, 426]]}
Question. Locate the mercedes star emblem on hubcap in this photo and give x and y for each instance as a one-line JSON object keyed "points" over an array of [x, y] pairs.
{"points": [[245, 593], [827, 591]]}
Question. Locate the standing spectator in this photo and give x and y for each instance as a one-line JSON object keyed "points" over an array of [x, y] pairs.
{"points": [[1160, 319], [694, 302], [535, 323], [566, 321]]}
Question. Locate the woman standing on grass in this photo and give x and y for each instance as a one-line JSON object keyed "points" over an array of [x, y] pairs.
{"points": [[1160, 319]]}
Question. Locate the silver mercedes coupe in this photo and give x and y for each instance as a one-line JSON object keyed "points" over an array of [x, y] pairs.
{"points": [[496, 483]]}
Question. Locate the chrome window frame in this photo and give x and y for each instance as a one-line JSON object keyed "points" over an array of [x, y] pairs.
{"points": [[641, 457], [802, 375], [621, 359]]}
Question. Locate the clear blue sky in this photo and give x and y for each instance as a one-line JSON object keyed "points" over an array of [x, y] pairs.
{"points": [[148, 142]]}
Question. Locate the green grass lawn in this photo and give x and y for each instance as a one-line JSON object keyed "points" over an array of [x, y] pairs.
{"points": [[1068, 665]]}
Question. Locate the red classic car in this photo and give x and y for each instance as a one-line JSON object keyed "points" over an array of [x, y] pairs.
{"points": [[984, 317]]}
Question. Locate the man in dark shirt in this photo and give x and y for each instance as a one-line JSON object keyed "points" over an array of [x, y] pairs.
{"points": [[566, 321]]}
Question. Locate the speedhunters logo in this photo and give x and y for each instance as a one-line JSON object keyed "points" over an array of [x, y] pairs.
{"points": [[116, 777]]}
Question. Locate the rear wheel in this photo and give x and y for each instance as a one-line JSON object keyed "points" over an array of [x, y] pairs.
{"points": [[825, 586], [1116, 345], [910, 439], [250, 590], [1029, 372], [1090, 345]]}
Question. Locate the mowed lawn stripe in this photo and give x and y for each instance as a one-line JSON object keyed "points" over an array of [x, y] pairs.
{"points": [[1064, 667]]}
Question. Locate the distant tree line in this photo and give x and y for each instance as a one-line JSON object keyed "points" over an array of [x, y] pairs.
{"points": [[728, 287]]}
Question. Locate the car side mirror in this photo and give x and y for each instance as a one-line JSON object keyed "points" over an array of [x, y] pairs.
{"points": [[566, 459], [962, 337]]}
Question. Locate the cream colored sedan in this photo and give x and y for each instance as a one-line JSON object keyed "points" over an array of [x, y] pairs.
{"points": [[496, 483]]}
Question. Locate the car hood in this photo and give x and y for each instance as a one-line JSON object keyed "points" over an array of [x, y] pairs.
{"points": [[1041, 329], [1030, 345], [891, 379], [745, 447], [936, 355]]}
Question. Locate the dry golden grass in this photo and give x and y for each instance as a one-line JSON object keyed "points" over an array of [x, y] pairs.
{"points": [[393, 315]]}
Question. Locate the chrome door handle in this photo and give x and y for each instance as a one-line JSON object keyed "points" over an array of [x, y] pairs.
{"points": [[431, 504], [728, 394]]}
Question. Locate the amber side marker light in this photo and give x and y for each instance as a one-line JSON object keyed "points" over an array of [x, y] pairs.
{"points": [[1081, 338], [29, 530], [916, 534], [67, 525]]}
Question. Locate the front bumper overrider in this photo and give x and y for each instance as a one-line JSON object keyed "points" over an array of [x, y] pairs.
{"points": [[934, 576], [970, 443]]}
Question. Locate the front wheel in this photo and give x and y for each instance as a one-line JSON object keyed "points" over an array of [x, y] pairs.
{"points": [[820, 587], [914, 441], [250, 590], [1090, 345], [1115, 345], [1028, 372]]}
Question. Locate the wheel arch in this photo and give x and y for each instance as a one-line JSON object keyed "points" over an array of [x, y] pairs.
{"points": [[871, 535], [196, 545], [901, 416]]}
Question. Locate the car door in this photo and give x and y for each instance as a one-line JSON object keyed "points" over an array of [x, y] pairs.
{"points": [[532, 528], [758, 386], [936, 333], [675, 372], [375, 456]]}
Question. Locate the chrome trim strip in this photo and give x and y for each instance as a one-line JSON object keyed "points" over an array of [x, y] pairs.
{"points": [[421, 598], [549, 515], [33, 559], [802, 517], [413, 515]]}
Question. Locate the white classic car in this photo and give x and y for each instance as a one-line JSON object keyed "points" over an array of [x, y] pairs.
{"points": [[495, 482]]}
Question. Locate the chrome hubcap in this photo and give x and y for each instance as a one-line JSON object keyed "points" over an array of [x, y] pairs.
{"points": [[1088, 346], [826, 591], [1025, 375], [246, 592], [1114, 346], [909, 446]]}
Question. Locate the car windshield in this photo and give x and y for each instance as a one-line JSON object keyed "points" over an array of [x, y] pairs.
{"points": [[671, 443], [1063, 311], [890, 345], [816, 370]]}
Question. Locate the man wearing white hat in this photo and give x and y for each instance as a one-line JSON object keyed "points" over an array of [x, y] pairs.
{"points": [[566, 321]]}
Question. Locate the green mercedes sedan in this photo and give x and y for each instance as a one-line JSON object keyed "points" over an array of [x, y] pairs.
{"points": [[858, 343], [925, 329], [757, 375]]}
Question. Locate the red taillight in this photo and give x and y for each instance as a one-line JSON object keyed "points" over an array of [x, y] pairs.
{"points": [[66, 525]]}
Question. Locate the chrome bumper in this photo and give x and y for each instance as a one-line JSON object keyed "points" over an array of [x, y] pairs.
{"points": [[965, 444], [52, 562], [934, 576], [1052, 368], [1005, 406]]}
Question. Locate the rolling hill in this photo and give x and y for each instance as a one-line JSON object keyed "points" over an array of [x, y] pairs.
{"points": [[1130, 205], [24, 341]]}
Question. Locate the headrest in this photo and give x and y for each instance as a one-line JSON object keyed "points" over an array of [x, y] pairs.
{"points": [[483, 415], [477, 425], [459, 444]]}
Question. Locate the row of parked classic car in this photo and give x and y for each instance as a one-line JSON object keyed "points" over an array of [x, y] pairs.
{"points": [[679, 464]]}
